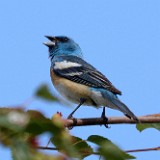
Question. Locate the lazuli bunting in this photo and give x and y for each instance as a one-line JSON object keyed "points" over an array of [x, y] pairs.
{"points": [[78, 81]]}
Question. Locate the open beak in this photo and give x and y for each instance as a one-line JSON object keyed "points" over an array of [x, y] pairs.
{"points": [[52, 41]]}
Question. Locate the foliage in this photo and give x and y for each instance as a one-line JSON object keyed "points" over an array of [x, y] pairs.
{"points": [[142, 127], [19, 130], [44, 93]]}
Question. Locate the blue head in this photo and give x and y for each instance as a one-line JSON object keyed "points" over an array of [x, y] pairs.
{"points": [[62, 45]]}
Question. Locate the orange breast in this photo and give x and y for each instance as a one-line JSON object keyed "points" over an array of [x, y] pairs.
{"points": [[71, 90]]}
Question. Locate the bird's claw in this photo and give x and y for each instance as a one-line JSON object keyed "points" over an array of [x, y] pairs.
{"points": [[105, 120], [74, 121]]}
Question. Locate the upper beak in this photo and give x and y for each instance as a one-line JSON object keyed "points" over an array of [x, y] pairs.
{"points": [[51, 38], [52, 41]]}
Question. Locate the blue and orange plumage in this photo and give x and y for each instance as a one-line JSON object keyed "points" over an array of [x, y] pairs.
{"points": [[76, 79]]}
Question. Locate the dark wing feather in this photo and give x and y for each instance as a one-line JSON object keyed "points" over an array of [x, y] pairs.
{"points": [[86, 74]]}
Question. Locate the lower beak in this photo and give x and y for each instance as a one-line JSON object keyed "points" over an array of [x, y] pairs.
{"points": [[49, 44]]}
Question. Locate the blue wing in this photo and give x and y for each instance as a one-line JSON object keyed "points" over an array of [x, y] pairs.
{"points": [[79, 71]]}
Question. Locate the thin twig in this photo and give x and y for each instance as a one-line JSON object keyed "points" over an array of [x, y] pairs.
{"points": [[47, 148], [144, 150], [128, 151]]}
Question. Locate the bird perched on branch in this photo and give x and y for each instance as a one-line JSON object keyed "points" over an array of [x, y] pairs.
{"points": [[79, 81]]}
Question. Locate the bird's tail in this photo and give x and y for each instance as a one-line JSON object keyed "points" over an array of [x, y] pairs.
{"points": [[123, 108]]}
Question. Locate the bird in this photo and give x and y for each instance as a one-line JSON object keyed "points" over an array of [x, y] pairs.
{"points": [[80, 82]]}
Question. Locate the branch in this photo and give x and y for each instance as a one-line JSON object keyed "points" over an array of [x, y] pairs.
{"points": [[154, 118]]}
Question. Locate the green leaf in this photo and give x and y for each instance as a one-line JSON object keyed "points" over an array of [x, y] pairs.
{"points": [[39, 124], [63, 142], [107, 149], [82, 147], [71, 145], [44, 93], [42, 156], [21, 150], [97, 139], [142, 127]]}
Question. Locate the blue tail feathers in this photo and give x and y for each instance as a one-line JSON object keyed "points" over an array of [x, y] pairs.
{"points": [[115, 103], [123, 108]]}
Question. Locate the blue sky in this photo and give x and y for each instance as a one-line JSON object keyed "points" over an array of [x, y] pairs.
{"points": [[120, 38]]}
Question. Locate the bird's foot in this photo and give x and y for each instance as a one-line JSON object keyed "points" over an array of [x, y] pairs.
{"points": [[105, 119]]}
